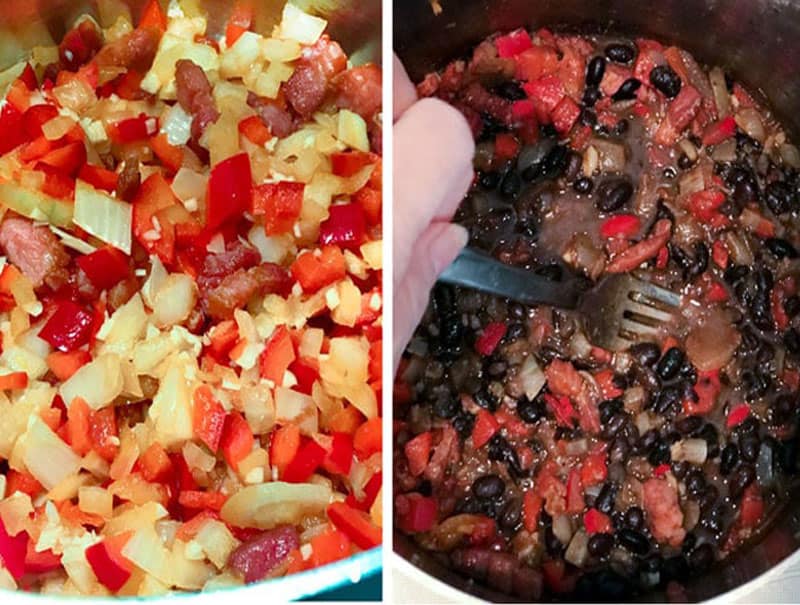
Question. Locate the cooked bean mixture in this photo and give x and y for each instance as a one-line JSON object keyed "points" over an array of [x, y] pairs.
{"points": [[529, 458]]}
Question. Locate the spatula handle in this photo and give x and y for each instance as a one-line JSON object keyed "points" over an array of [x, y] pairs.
{"points": [[473, 269]]}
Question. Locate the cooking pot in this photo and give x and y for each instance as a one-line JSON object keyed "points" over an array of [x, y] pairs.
{"points": [[356, 25], [758, 42]]}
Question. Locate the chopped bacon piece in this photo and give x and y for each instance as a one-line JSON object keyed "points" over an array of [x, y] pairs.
{"points": [[272, 114], [236, 290], [359, 90], [37, 252], [308, 86], [664, 511], [135, 50], [195, 95]]}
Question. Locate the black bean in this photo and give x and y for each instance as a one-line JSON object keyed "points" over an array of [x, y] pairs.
{"points": [[552, 543], [709, 497], [609, 408], [614, 194], [674, 568], [780, 248], [668, 401], [516, 331], [634, 541], [511, 514], [555, 162], [497, 369], [620, 53], [634, 518], [500, 450], [702, 557], [645, 353], [583, 185], [749, 446], [511, 184], [791, 340], [695, 483], [684, 163], [664, 78], [511, 90], [595, 71], [605, 499], [588, 115], [710, 433], [627, 90], [600, 545], [468, 505], [551, 271], [735, 273], [486, 400], [619, 450], [701, 257], [729, 458], [660, 454], [779, 197], [782, 408], [530, 411], [446, 407], [489, 180], [689, 425], [591, 96], [792, 306], [689, 542], [740, 479], [614, 425], [488, 487], [680, 468], [670, 364], [463, 424], [649, 440]]}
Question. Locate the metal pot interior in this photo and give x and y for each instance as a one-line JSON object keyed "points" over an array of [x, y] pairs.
{"points": [[758, 41]]}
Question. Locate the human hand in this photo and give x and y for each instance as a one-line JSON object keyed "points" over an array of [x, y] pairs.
{"points": [[433, 149]]}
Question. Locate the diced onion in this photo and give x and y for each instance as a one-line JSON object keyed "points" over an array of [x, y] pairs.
{"points": [[562, 528], [35, 204], [57, 127], [177, 125], [693, 451], [720, 89], [237, 60], [217, 541], [47, 457], [96, 500], [300, 26], [268, 505], [98, 382], [352, 130], [103, 216], [578, 552], [190, 185], [749, 120], [171, 410], [296, 408], [174, 300], [531, 377]]}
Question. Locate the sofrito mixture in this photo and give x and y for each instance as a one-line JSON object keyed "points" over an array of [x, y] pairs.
{"points": [[190, 304], [527, 457]]}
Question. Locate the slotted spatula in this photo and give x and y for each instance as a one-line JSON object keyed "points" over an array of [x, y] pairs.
{"points": [[618, 311]]}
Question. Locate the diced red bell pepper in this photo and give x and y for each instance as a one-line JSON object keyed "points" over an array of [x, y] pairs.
{"points": [[371, 491], [104, 434], [522, 109], [565, 114], [109, 565], [506, 147], [346, 226], [719, 253], [707, 388], [737, 415], [418, 453], [716, 293], [594, 469], [562, 409], [752, 506], [155, 195], [486, 426], [284, 446], [171, 156], [415, 513], [546, 93], [536, 62], [314, 272], [99, 178], [200, 500], [720, 131], [155, 463], [254, 130], [621, 225], [371, 201], [223, 338], [40, 562], [208, 417], [513, 43], [153, 17], [229, 190], [237, 439], [368, 438], [135, 129], [280, 205], [68, 328], [531, 509], [575, 502], [239, 22], [37, 116], [306, 374], [22, 481], [309, 458], [78, 430], [704, 204], [356, 524], [13, 381], [11, 125], [28, 77], [661, 470], [277, 356], [491, 336], [105, 267], [596, 522], [339, 459], [12, 551], [66, 160], [348, 163]]}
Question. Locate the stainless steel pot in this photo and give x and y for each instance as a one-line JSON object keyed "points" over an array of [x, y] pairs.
{"points": [[758, 41]]}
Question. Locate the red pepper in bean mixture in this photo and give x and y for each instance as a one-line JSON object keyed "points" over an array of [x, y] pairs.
{"points": [[537, 462]]}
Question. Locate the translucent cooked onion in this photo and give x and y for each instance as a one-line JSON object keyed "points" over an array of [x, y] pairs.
{"points": [[578, 550], [47, 457], [36, 205], [103, 216], [694, 451], [720, 89], [300, 26], [174, 300], [749, 120], [268, 505], [711, 345], [177, 125]]}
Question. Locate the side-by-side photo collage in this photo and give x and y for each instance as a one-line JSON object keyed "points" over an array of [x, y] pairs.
{"points": [[578, 383]]}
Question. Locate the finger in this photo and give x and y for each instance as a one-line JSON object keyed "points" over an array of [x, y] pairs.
{"points": [[405, 93], [432, 252], [433, 149]]}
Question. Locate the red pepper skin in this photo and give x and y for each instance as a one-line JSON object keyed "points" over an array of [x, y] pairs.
{"points": [[280, 205], [339, 460], [492, 334], [575, 501], [208, 418], [371, 490], [418, 453], [752, 506], [347, 163], [506, 147], [105, 267], [68, 328], [12, 551], [720, 131], [486, 426], [308, 459], [415, 512], [12, 129], [346, 226], [36, 116], [40, 562], [356, 524], [562, 409], [277, 356], [229, 190], [133, 129], [531, 509], [737, 415], [597, 522], [237, 439], [565, 114], [621, 225], [111, 569], [99, 178], [315, 272], [513, 44], [306, 375]]}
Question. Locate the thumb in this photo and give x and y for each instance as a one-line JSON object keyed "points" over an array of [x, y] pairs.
{"points": [[432, 252]]}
